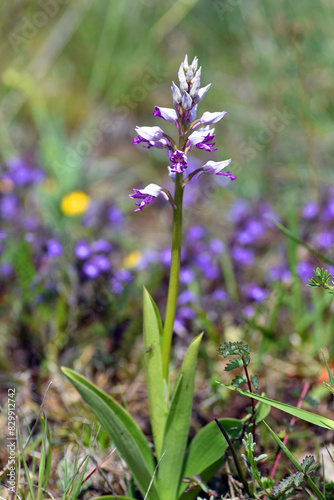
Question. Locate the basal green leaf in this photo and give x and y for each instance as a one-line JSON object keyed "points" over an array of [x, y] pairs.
{"points": [[153, 364], [177, 426], [122, 429], [308, 416], [208, 447]]}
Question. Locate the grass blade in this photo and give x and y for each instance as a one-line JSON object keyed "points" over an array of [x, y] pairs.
{"points": [[308, 416], [295, 462], [293, 237]]}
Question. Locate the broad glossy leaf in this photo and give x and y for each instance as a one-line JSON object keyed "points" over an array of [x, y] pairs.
{"points": [[177, 426], [208, 447], [122, 429], [153, 365], [308, 416]]}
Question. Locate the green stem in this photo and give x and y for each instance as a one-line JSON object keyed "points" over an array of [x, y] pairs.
{"points": [[237, 463], [174, 276]]}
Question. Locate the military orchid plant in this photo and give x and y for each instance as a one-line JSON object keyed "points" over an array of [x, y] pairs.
{"points": [[159, 476]]}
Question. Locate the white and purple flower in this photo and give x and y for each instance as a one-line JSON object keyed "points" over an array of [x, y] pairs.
{"points": [[186, 97], [147, 195]]}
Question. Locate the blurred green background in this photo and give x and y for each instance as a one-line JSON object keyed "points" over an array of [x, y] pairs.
{"points": [[77, 76]]}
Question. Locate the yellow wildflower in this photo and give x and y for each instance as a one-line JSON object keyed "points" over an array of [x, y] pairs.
{"points": [[75, 203], [132, 259]]}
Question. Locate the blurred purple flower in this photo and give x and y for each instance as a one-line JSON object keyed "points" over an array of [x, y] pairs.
{"points": [[165, 256], [239, 210], [328, 213], [280, 273], [256, 293], [304, 270], [253, 231], [54, 248], [115, 216], [9, 205], [219, 295], [195, 233], [186, 275], [124, 275], [205, 263], [243, 256], [185, 313], [323, 240], [21, 173], [6, 269], [310, 210], [101, 262], [248, 311], [30, 223], [186, 297], [90, 269], [216, 246], [101, 246], [116, 285], [82, 249]]}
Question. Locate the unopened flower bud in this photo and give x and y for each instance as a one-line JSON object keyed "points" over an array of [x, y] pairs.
{"points": [[186, 101], [177, 96], [182, 79]]}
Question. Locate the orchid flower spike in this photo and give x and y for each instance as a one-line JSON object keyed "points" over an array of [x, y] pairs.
{"points": [[186, 97]]}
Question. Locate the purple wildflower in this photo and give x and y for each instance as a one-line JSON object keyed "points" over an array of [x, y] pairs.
{"points": [[54, 248], [147, 195], [304, 270], [310, 210], [82, 249], [219, 295], [167, 114], [90, 269], [178, 160], [101, 246], [243, 256]]}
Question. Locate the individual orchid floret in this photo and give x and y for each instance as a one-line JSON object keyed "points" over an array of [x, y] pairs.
{"points": [[202, 139], [185, 63], [167, 114], [147, 195], [201, 93], [182, 78], [208, 118], [194, 64], [150, 133], [211, 168], [178, 162], [214, 167], [152, 137], [186, 101], [177, 96], [195, 88]]}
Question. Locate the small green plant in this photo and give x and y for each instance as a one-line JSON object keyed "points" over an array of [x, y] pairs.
{"points": [[306, 472], [242, 359], [322, 280]]}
